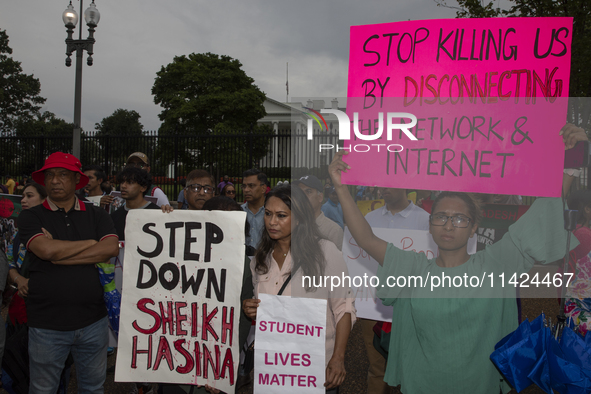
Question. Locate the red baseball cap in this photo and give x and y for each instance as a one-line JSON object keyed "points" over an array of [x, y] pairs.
{"points": [[61, 160]]}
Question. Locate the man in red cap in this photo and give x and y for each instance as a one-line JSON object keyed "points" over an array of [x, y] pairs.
{"points": [[66, 311]]}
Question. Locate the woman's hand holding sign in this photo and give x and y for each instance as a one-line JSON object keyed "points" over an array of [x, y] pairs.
{"points": [[250, 308]]}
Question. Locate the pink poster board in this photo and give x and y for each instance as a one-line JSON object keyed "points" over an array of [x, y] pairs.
{"points": [[489, 97]]}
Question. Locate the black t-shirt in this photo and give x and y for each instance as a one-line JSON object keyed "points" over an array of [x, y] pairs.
{"points": [[120, 215], [64, 297]]}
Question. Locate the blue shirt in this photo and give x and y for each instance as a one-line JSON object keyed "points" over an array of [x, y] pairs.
{"points": [[334, 212], [181, 198], [257, 225]]}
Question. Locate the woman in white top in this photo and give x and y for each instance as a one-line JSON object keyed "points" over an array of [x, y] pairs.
{"points": [[291, 244]]}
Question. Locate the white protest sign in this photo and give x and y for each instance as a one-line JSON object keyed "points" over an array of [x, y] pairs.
{"points": [[362, 267], [289, 347], [181, 298]]}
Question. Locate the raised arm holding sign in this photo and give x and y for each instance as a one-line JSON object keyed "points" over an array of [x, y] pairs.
{"points": [[445, 319]]}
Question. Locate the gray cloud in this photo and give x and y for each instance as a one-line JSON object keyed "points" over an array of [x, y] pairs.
{"points": [[136, 38]]}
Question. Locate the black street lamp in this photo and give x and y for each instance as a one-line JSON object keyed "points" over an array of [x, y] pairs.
{"points": [[70, 18]]}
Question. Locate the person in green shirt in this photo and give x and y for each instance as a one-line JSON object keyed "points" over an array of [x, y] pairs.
{"points": [[442, 337]]}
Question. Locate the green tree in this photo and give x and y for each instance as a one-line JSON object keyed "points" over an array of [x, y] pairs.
{"points": [[33, 140], [201, 91], [579, 10], [118, 134], [19, 92], [210, 96]]}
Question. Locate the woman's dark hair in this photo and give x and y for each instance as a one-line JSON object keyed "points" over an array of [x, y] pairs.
{"points": [[305, 248], [224, 191], [578, 201], [135, 175], [40, 189], [474, 208]]}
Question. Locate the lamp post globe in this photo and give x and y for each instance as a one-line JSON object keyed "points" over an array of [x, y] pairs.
{"points": [[70, 16], [92, 16]]}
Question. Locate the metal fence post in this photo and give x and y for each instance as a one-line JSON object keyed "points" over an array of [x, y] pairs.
{"points": [[176, 163]]}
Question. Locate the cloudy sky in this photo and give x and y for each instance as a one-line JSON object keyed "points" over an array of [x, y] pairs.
{"points": [[134, 39]]}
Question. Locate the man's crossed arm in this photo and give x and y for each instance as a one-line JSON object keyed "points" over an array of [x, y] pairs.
{"points": [[74, 252]]}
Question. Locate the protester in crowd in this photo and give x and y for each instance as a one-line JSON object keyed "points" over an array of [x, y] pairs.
{"points": [[313, 189], [134, 183], [10, 184], [327, 186], [34, 194], [578, 295], [96, 177], [182, 203], [399, 213], [200, 188], [106, 187], [370, 193], [229, 191], [254, 187], [224, 183], [444, 343], [291, 245], [139, 159], [65, 308], [332, 208]]}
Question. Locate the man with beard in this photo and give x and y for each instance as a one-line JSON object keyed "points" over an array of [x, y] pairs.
{"points": [[398, 213]]}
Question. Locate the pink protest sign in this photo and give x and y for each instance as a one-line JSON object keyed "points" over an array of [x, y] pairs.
{"points": [[471, 105]]}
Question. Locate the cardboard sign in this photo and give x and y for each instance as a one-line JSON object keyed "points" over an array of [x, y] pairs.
{"points": [[470, 105], [290, 345], [181, 298], [363, 267]]}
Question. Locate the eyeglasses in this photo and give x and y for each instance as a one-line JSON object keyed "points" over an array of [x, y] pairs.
{"points": [[62, 175], [458, 221], [230, 191], [251, 185], [196, 188]]}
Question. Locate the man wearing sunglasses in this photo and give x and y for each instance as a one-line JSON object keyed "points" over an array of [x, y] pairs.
{"points": [[200, 188]]}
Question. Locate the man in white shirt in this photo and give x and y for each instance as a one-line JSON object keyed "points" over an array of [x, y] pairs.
{"points": [[398, 213], [314, 191], [139, 159]]}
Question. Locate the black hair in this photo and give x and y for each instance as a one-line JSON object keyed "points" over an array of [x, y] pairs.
{"points": [[255, 171], [99, 173], [305, 247], [474, 207], [196, 174], [40, 189], [135, 175]]}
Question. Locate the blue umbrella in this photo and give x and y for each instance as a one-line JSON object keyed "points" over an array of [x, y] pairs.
{"points": [[518, 353], [564, 366], [111, 295]]}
